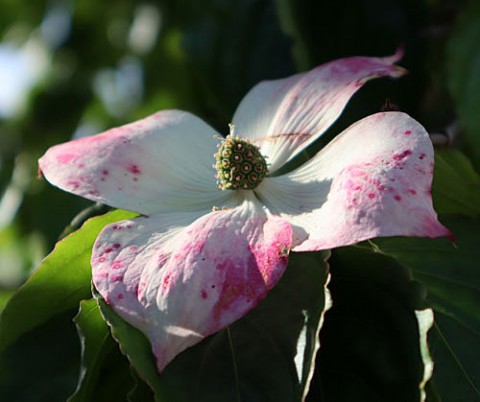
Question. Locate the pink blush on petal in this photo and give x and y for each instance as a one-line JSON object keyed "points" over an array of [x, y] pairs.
{"points": [[66, 159], [198, 281]]}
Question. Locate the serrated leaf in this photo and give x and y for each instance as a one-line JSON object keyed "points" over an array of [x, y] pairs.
{"points": [[451, 275], [266, 355], [456, 185], [372, 347], [104, 373], [463, 62], [60, 282]]}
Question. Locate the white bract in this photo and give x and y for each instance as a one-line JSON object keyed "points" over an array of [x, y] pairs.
{"points": [[213, 241]]}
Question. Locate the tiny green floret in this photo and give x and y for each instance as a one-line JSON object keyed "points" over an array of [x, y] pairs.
{"points": [[240, 165]]}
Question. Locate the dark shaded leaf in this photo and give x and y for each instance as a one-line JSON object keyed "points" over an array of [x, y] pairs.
{"points": [[232, 45], [456, 185], [372, 348], [463, 62], [135, 346], [41, 365], [104, 373], [451, 275], [141, 391]]}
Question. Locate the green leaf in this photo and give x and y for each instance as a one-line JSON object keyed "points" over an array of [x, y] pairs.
{"points": [[456, 185], [425, 322], [452, 278], [266, 355], [141, 392], [104, 373], [60, 282], [135, 346], [5, 295], [225, 39], [41, 365], [463, 62], [373, 346]]}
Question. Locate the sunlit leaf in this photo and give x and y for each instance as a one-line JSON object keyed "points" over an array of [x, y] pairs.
{"points": [[425, 322], [5, 295], [59, 283]]}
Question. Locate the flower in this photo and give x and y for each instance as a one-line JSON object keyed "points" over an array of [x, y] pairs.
{"points": [[211, 242]]}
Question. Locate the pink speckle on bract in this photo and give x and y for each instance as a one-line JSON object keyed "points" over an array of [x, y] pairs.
{"points": [[73, 183], [204, 294], [408, 132], [117, 265], [116, 278], [403, 155], [398, 197], [134, 169], [166, 282]]}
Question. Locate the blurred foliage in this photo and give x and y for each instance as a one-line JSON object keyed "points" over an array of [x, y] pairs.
{"points": [[102, 64]]}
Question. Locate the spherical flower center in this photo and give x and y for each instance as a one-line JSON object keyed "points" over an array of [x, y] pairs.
{"points": [[240, 165]]}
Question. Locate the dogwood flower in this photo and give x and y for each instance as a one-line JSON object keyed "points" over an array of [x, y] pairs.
{"points": [[212, 241]]}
